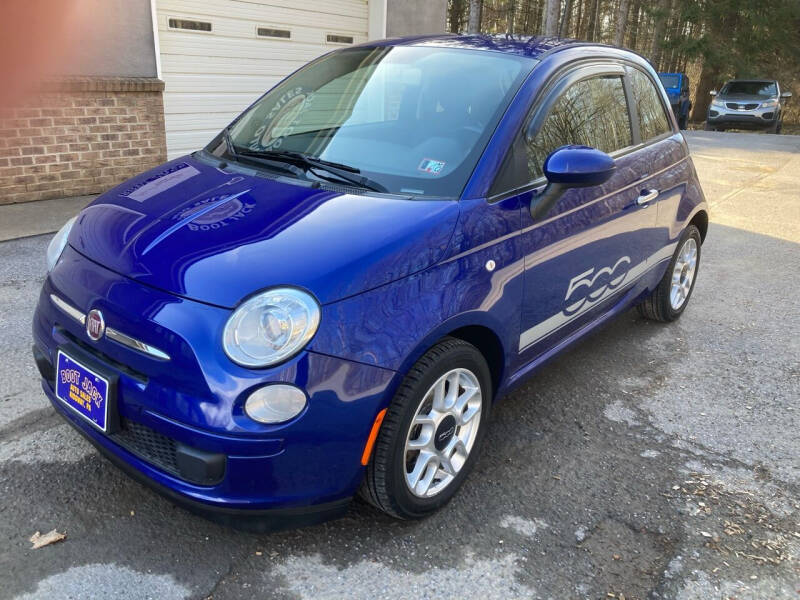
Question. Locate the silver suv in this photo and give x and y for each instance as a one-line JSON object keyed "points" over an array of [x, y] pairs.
{"points": [[747, 104]]}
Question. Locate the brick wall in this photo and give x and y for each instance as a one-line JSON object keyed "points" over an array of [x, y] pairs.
{"points": [[80, 136]]}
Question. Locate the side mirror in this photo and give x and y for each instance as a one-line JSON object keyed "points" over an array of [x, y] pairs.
{"points": [[713, 92], [570, 167], [786, 95]]}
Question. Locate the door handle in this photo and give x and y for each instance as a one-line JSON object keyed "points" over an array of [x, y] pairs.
{"points": [[646, 196]]}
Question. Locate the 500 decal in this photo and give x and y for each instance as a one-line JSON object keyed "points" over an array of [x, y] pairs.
{"points": [[592, 285]]}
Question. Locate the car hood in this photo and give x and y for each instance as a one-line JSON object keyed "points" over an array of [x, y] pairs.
{"points": [[217, 236]]}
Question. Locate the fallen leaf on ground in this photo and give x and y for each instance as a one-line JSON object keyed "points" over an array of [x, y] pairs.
{"points": [[51, 537]]}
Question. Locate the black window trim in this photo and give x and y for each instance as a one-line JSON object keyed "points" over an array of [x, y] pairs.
{"points": [[339, 42], [277, 28], [554, 87], [179, 20], [634, 109], [541, 105]]}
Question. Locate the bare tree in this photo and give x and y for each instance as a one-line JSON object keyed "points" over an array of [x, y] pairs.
{"points": [[591, 21], [633, 39], [474, 24], [622, 21], [661, 14], [455, 15], [563, 29], [551, 18]]}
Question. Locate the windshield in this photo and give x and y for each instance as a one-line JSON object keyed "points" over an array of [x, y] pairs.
{"points": [[767, 89], [413, 120], [670, 80]]}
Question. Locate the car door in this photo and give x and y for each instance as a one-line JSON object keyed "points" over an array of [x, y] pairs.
{"points": [[662, 163], [593, 246]]}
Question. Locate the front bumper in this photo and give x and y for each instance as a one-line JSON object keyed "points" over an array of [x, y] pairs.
{"points": [[746, 119], [192, 404]]}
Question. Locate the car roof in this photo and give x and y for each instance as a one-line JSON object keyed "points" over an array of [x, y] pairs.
{"points": [[752, 81], [530, 46]]}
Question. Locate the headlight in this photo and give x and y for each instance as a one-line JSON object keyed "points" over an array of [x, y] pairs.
{"points": [[770, 103], [58, 243], [270, 327], [718, 103]]}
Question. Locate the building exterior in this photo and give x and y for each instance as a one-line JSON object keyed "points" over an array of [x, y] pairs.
{"points": [[155, 79]]}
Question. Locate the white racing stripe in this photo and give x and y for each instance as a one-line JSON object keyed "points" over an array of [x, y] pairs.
{"points": [[559, 320]]}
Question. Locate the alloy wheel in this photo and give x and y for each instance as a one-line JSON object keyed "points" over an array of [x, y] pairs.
{"points": [[443, 432], [683, 274]]}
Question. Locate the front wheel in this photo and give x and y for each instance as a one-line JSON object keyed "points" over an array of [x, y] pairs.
{"points": [[669, 299], [432, 431]]}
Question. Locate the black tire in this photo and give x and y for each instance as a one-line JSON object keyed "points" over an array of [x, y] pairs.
{"points": [[683, 122], [657, 306], [709, 127], [384, 484]]}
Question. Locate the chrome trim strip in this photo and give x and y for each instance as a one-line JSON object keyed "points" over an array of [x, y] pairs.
{"points": [[111, 333], [137, 345], [68, 309]]}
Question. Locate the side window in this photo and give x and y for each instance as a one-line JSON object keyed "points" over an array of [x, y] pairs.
{"points": [[592, 112], [653, 120]]}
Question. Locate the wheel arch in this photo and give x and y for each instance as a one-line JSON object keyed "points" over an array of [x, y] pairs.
{"points": [[488, 344], [473, 328], [700, 220]]}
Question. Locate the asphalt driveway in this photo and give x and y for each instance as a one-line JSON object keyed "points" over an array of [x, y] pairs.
{"points": [[651, 461]]}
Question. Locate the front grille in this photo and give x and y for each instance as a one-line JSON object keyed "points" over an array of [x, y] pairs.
{"points": [[189, 464], [739, 106], [149, 445]]}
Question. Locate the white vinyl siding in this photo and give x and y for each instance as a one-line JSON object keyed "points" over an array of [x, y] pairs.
{"points": [[211, 76]]}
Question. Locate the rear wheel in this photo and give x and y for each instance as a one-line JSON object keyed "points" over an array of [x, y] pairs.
{"points": [[431, 434], [669, 299]]}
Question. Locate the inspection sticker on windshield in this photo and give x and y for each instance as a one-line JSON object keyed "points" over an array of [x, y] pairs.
{"points": [[428, 165]]}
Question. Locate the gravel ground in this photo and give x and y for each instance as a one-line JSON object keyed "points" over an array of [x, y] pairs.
{"points": [[650, 461]]}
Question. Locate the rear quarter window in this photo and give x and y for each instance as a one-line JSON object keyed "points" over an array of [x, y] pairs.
{"points": [[653, 120]]}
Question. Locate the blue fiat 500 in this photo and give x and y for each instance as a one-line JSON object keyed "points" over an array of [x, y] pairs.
{"points": [[328, 299]]}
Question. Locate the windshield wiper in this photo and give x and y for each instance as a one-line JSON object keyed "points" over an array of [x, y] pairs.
{"points": [[346, 173], [261, 158], [229, 143]]}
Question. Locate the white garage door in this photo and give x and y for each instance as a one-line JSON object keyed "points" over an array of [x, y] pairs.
{"points": [[217, 56]]}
